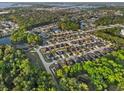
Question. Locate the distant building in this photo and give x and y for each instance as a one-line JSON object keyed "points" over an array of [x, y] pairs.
{"points": [[4, 12], [118, 13], [56, 30], [122, 32], [82, 24]]}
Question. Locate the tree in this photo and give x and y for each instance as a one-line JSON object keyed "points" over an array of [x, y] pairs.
{"points": [[17, 72], [22, 36], [67, 24], [104, 73], [83, 87], [68, 84]]}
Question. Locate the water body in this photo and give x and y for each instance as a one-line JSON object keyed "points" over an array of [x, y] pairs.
{"points": [[5, 41], [61, 4], [9, 5], [73, 5], [5, 5]]}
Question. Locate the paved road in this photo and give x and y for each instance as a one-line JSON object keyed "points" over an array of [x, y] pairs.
{"points": [[46, 65]]}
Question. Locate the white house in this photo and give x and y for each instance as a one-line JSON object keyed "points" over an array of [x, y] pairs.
{"points": [[122, 32]]}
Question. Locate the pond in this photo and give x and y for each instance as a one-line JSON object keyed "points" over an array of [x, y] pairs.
{"points": [[5, 41]]}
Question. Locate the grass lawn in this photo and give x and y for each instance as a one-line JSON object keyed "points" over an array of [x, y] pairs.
{"points": [[35, 60]]}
